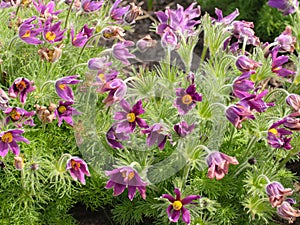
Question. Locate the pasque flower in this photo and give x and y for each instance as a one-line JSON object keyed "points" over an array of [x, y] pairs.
{"points": [[101, 63], [286, 40], [9, 139], [256, 102], [63, 89], [117, 13], [183, 129], [21, 86], [277, 193], [292, 123], [242, 84], [78, 169], [91, 6], [46, 10], [277, 137], [82, 36], [169, 39], [123, 177], [3, 99], [177, 206], [286, 211], [293, 100], [120, 52], [28, 32], [65, 111], [285, 6], [52, 32], [133, 13], [218, 164], [156, 134], [146, 43], [117, 90], [113, 138], [19, 116], [244, 64], [129, 117], [277, 63], [186, 99], [227, 19], [243, 30]]}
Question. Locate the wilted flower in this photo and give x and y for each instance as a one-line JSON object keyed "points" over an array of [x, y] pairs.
{"points": [[117, 90], [91, 6], [9, 140], [21, 86], [129, 118], [113, 138], [241, 85], [286, 211], [82, 37], [77, 168], [123, 177], [277, 137], [177, 206], [51, 55], [186, 99], [113, 32], [120, 51], [285, 6], [293, 100], [3, 99], [62, 88], [156, 134], [118, 13], [19, 116], [243, 30], [286, 40], [53, 33], [183, 129], [46, 11], [28, 32], [18, 162], [244, 64], [277, 193], [46, 115], [277, 63], [64, 111], [227, 19], [133, 13], [218, 164]]}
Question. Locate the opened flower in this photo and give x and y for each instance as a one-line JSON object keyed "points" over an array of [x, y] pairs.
{"points": [[46, 11], [28, 32], [183, 129], [129, 117], [120, 52], [286, 211], [63, 90], [241, 85], [256, 102], [91, 6], [277, 63], [52, 32], [113, 138], [82, 37], [277, 193], [218, 164], [9, 140], [177, 206], [117, 90], [156, 134], [19, 116], [286, 40], [285, 6], [78, 169], [21, 86], [186, 99], [64, 111], [123, 177], [277, 137], [227, 19]]}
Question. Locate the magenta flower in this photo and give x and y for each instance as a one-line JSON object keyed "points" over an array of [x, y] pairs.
{"points": [[293, 100], [156, 134], [91, 6], [277, 63], [177, 206], [118, 13], [277, 137], [117, 90], [286, 211], [218, 164], [46, 11], [9, 140], [19, 116], [28, 32], [123, 177], [64, 111], [53, 33], [146, 43], [241, 85], [169, 39], [113, 138], [99, 63], [227, 19], [244, 64], [3, 100], [286, 40], [62, 88], [243, 30], [77, 168], [120, 52], [186, 99], [256, 102], [82, 37], [129, 117], [21, 86], [292, 123], [285, 6], [277, 193], [183, 129]]}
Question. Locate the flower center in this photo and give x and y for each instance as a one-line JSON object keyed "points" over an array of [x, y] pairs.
{"points": [[177, 205], [21, 85], [130, 117], [27, 34], [75, 165], [50, 36], [130, 175], [62, 86], [15, 115], [62, 109], [277, 69], [7, 137], [101, 76], [273, 131], [187, 99]]}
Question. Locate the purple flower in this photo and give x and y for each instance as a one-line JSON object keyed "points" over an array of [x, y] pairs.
{"points": [[243, 30], [132, 14], [3, 100], [156, 134], [82, 37], [9, 140], [277, 63], [293, 100], [227, 19], [238, 113], [91, 6], [186, 99], [77, 168], [129, 118], [113, 32], [286, 211], [218, 164], [120, 51], [277, 137], [285, 6], [113, 138], [28, 31], [123, 177], [117, 90], [177, 206], [277, 193], [256, 102], [241, 85], [64, 111], [21, 86], [19, 116], [146, 43], [99, 63], [183, 129], [53, 33], [244, 64], [117, 13], [292, 123], [169, 39], [62, 88], [286, 40], [46, 11]]}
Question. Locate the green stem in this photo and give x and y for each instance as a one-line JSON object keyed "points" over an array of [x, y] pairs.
{"points": [[62, 160], [168, 63], [285, 160], [69, 11], [204, 148], [185, 175], [12, 42], [265, 177], [250, 145], [75, 67], [46, 83], [203, 53], [276, 90]]}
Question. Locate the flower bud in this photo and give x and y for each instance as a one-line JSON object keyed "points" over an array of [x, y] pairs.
{"points": [[19, 164], [293, 100], [34, 166], [146, 43]]}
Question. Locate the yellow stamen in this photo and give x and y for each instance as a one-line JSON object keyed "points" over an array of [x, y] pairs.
{"points": [[130, 176], [27, 34], [15, 115], [177, 205], [130, 117], [21, 85], [276, 69], [101, 76], [50, 36], [7, 137], [273, 131], [62, 86], [62, 109], [187, 99], [75, 165]]}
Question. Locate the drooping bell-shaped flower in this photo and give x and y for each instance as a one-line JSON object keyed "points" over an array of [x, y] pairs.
{"points": [[277, 193], [156, 134], [286, 211], [120, 52], [63, 89], [183, 129], [117, 13], [285, 6], [244, 64], [286, 40], [78, 169], [91, 6], [278, 137], [293, 100], [82, 36], [113, 138]]}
